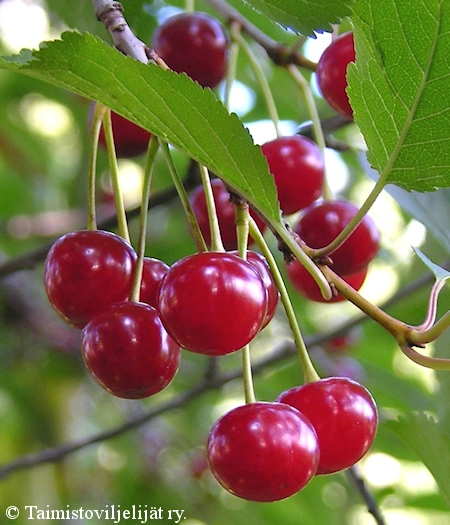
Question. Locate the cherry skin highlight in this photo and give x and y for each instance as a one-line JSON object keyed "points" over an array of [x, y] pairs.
{"points": [[332, 73], [297, 166], [128, 351], [344, 416], [86, 271], [323, 221], [212, 303], [225, 211], [196, 44], [263, 452]]}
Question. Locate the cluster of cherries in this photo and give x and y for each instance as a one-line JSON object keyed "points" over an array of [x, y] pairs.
{"points": [[215, 303]]}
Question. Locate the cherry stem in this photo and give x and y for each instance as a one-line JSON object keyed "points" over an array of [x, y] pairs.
{"points": [[114, 167], [178, 183], [258, 71], [318, 134], [148, 175], [351, 226], [97, 118], [216, 238], [436, 363], [231, 72], [420, 337], [249, 390], [432, 306], [309, 372]]}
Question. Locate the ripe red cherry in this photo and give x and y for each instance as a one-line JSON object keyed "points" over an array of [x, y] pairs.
{"points": [[130, 140], [297, 166], [332, 73], [128, 351], [153, 271], [273, 295], [85, 271], [212, 303], [344, 416], [226, 215], [304, 283], [323, 221], [263, 452], [193, 43]]}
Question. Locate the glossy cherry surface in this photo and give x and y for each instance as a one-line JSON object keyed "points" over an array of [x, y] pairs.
{"points": [[153, 271], [323, 221], [193, 43], [86, 271], [273, 295], [130, 140], [128, 351], [332, 70], [212, 302], [344, 416], [263, 452], [225, 211], [304, 283], [297, 166]]}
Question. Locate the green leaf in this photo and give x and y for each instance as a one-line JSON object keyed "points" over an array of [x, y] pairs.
{"points": [[170, 105], [399, 88], [439, 272], [426, 438], [304, 16]]}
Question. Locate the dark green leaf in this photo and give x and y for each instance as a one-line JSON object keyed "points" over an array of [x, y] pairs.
{"points": [[169, 105], [304, 16], [425, 437], [399, 89]]}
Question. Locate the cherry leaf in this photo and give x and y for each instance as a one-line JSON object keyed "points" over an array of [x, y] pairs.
{"points": [[170, 105], [399, 87], [304, 16], [440, 273]]}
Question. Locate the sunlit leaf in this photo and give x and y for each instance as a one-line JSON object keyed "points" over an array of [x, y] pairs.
{"points": [[399, 89]]}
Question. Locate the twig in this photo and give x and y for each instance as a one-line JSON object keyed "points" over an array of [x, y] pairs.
{"points": [[369, 500]]}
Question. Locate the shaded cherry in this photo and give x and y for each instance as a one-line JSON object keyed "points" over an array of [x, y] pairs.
{"points": [[323, 221], [193, 43], [225, 211], [344, 416], [263, 452], [212, 303], [128, 351], [153, 271], [273, 295], [304, 283], [297, 166], [86, 271], [332, 73]]}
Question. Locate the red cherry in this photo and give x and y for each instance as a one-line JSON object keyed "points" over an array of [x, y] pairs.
{"points": [[130, 140], [128, 351], [86, 271], [263, 452], [212, 303], [273, 295], [153, 271], [305, 284], [332, 73], [193, 43], [344, 416], [298, 169], [225, 214], [323, 221]]}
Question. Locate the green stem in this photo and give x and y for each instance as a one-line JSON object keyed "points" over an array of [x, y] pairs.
{"points": [[192, 221], [242, 227], [304, 87], [112, 157], [216, 238], [255, 64], [436, 363], [249, 390], [231, 72], [97, 117], [420, 337], [350, 227], [309, 372], [148, 173]]}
